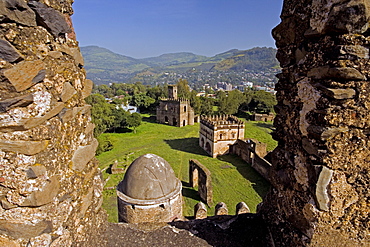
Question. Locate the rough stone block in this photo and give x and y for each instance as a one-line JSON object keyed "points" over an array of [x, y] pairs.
{"points": [[242, 208], [33, 122], [36, 171], [221, 209], [50, 18], [322, 196], [23, 147], [43, 196], [83, 155], [25, 74], [77, 56], [200, 211], [21, 101], [347, 93], [88, 86], [17, 229], [325, 72], [8, 52], [17, 11], [68, 92]]}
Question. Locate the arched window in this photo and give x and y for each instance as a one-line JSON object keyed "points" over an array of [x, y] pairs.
{"points": [[184, 108]]}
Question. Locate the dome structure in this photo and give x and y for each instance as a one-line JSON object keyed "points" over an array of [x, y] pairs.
{"points": [[149, 192], [149, 177]]}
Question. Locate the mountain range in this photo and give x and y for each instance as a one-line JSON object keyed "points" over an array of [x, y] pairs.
{"points": [[104, 66]]}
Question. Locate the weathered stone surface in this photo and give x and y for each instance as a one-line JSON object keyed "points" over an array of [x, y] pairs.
{"points": [[340, 16], [24, 147], [83, 155], [88, 86], [17, 11], [33, 122], [352, 52], [242, 208], [36, 171], [25, 74], [347, 93], [17, 229], [8, 52], [322, 195], [221, 209], [21, 101], [68, 92], [8, 242], [7, 205], [200, 211], [43, 196], [79, 60], [326, 72], [49, 18]]}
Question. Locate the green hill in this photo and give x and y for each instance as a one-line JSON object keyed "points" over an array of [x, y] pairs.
{"points": [[104, 66]]}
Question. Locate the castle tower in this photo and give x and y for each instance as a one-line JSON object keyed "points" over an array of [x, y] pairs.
{"points": [[172, 92]]}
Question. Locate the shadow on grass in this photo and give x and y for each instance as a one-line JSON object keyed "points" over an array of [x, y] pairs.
{"points": [[267, 125], [191, 193], [260, 185], [151, 119], [188, 145]]}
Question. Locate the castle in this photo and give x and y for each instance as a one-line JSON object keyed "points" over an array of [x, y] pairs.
{"points": [[217, 133], [174, 111]]}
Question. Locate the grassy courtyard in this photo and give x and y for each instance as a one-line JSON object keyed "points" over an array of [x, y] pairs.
{"points": [[232, 179]]}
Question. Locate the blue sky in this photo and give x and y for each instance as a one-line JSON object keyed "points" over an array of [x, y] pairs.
{"points": [[147, 28]]}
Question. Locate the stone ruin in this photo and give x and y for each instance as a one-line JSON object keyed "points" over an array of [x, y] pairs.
{"points": [[200, 176], [175, 111], [217, 133], [50, 187], [321, 168]]}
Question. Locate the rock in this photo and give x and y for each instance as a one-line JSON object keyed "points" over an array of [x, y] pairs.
{"points": [[33, 122], [16, 229], [352, 52], [200, 211], [43, 196], [4, 241], [68, 92], [50, 18], [221, 209], [83, 155], [86, 202], [77, 56], [25, 74], [40, 241], [8, 52], [36, 171], [88, 86], [322, 196], [23, 147], [326, 72], [346, 93], [242, 208], [7, 205], [21, 101], [17, 11]]}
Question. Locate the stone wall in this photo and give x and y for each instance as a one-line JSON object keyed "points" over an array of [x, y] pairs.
{"points": [[200, 176], [50, 187], [321, 171]]}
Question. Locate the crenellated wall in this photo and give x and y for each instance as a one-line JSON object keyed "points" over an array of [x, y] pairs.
{"points": [[50, 186], [320, 177]]}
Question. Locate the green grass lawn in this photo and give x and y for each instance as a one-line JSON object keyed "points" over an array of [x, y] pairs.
{"points": [[232, 179]]}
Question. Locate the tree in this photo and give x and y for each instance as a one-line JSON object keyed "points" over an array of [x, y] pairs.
{"points": [[229, 104], [101, 113], [133, 121], [183, 89], [262, 102], [142, 101]]}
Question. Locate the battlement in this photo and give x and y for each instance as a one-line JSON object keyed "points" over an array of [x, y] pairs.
{"points": [[221, 120]]}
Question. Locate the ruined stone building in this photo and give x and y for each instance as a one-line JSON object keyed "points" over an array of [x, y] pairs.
{"points": [[174, 111], [149, 192], [50, 185], [217, 133]]}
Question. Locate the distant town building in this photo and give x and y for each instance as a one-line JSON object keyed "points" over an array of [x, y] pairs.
{"points": [[217, 133], [175, 111]]}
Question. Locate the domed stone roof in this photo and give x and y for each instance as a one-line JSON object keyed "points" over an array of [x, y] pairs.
{"points": [[149, 177]]}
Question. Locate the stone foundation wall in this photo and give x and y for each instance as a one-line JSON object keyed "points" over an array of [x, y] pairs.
{"points": [[321, 167], [50, 187]]}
